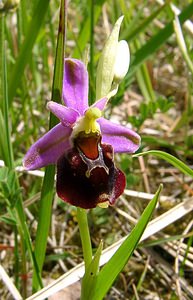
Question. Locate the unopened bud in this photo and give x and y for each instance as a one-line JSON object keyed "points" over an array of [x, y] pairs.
{"points": [[122, 61], [105, 69]]}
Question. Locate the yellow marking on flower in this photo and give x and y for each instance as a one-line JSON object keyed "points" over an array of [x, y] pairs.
{"points": [[103, 204], [87, 173], [90, 117], [88, 123]]}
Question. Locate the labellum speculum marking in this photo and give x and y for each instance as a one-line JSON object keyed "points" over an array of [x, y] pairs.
{"points": [[89, 146], [87, 176]]}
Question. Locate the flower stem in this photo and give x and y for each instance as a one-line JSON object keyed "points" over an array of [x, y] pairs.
{"points": [[91, 65], [48, 182], [85, 236]]}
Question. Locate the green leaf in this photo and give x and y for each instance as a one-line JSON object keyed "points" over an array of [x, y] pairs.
{"points": [[8, 185], [133, 31], [48, 182], [164, 240], [111, 270], [9, 221], [169, 158], [182, 44], [84, 34], [56, 257], [27, 46], [164, 104], [4, 174], [5, 139], [16, 210], [156, 42], [4, 150], [90, 276]]}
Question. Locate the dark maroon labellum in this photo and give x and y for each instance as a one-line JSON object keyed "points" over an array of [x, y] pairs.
{"points": [[87, 175]]}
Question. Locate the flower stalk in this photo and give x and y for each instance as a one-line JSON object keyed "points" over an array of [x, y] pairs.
{"points": [[85, 236]]}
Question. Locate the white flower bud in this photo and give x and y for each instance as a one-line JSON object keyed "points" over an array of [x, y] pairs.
{"points": [[105, 69], [122, 61]]}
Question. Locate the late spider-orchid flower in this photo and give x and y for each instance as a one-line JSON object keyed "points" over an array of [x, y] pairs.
{"points": [[83, 145]]}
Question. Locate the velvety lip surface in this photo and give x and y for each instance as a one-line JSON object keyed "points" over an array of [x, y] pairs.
{"points": [[78, 189]]}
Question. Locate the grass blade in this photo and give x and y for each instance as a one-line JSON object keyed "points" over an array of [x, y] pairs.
{"points": [[155, 226], [143, 77], [26, 49], [169, 158], [17, 210], [182, 44], [157, 41], [83, 37], [114, 266], [134, 31], [5, 146], [48, 183]]}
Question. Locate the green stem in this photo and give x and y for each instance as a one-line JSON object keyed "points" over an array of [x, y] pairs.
{"points": [[16, 255], [5, 110], [24, 268], [91, 65], [45, 211], [85, 236]]}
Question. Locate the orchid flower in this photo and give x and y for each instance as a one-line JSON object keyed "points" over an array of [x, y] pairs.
{"points": [[83, 145]]}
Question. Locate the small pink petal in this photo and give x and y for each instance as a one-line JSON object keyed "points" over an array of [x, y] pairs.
{"points": [[66, 115], [100, 104]]}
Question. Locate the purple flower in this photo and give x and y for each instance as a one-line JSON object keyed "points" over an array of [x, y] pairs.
{"points": [[83, 145]]}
